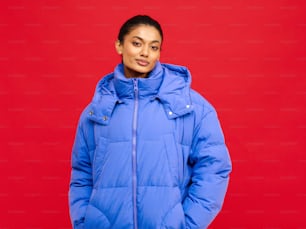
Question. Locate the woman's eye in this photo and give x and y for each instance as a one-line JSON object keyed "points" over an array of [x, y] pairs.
{"points": [[135, 43], [155, 48]]}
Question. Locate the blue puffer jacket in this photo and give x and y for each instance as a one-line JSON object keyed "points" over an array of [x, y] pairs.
{"points": [[149, 153]]}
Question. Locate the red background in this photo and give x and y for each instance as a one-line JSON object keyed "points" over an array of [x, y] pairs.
{"points": [[248, 58]]}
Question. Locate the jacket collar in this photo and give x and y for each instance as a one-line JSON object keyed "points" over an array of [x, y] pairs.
{"points": [[170, 84], [147, 87]]}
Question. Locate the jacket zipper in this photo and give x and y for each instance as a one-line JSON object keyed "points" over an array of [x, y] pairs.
{"points": [[134, 154]]}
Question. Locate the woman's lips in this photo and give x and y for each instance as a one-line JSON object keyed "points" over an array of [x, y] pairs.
{"points": [[142, 62]]}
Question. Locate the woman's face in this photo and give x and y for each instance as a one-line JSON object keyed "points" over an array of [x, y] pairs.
{"points": [[140, 50]]}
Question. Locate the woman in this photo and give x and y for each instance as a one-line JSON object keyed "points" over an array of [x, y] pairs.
{"points": [[149, 151]]}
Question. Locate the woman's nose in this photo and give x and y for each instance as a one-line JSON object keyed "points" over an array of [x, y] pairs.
{"points": [[145, 51]]}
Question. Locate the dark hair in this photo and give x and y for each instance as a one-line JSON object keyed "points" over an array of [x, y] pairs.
{"points": [[135, 21]]}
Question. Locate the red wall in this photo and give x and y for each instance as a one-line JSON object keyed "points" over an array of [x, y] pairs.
{"points": [[247, 57]]}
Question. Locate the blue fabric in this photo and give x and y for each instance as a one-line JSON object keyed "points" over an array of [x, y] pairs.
{"points": [[182, 163]]}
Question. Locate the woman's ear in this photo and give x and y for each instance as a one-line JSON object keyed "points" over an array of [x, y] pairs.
{"points": [[118, 47]]}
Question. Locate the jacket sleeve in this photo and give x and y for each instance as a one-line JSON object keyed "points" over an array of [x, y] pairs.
{"points": [[211, 166], [81, 179]]}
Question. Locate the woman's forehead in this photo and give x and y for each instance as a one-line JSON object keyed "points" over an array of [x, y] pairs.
{"points": [[145, 32]]}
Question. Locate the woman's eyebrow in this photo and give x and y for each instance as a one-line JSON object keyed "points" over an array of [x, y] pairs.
{"points": [[154, 41]]}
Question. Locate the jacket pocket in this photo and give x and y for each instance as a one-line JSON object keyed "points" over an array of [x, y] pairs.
{"points": [[175, 158], [94, 218], [111, 164], [99, 159], [175, 218]]}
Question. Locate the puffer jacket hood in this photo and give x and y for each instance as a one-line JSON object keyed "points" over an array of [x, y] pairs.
{"points": [[168, 83]]}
